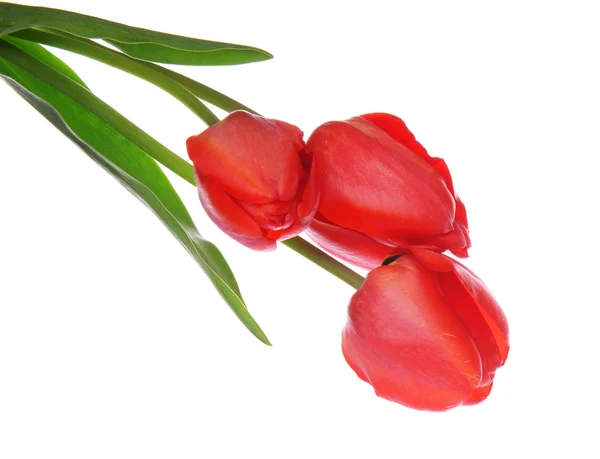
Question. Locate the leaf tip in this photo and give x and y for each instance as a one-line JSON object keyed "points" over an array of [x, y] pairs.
{"points": [[263, 338]]}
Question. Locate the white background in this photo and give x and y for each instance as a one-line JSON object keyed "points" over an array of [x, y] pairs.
{"points": [[114, 344]]}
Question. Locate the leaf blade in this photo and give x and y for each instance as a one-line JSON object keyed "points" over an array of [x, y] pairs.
{"points": [[134, 169], [141, 43]]}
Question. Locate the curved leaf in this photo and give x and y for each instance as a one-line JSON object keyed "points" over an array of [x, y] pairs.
{"points": [[140, 43], [119, 156]]}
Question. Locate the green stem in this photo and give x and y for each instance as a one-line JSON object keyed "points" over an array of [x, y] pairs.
{"points": [[172, 83], [317, 256], [202, 91]]}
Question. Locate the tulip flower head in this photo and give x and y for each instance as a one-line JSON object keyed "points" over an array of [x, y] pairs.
{"points": [[254, 178], [425, 332], [382, 192]]}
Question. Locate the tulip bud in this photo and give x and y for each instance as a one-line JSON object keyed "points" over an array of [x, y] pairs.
{"points": [[382, 192], [254, 179], [426, 332]]}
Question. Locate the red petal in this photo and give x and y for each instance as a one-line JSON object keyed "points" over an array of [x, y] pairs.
{"points": [[253, 159], [348, 245], [488, 307], [374, 185], [473, 303], [231, 218], [457, 241], [433, 260], [461, 215], [396, 129], [479, 394], [309, 201], [440, 165], [469, 312], [274, 216], [403, 338]]}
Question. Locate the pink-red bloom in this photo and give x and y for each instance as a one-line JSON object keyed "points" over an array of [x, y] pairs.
{"points": [[254, 178], [425, 332], [381, 192]]}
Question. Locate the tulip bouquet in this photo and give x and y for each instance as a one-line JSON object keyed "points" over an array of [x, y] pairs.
{"points": [[422, 329]]}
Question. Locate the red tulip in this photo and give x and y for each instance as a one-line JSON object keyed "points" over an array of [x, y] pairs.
{"points": [[254, 178], [382, 192], [426, 332]]}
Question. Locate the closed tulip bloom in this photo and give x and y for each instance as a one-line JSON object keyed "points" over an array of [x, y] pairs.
{"points": [[381, 192], [254, 178], [426, 332]]}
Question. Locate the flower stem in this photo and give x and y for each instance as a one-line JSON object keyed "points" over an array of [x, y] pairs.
{"points": [[328, 263]]}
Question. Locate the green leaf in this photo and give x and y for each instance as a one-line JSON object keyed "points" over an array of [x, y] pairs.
{"points": [[140, 43], [27, 67], [142, 69]]}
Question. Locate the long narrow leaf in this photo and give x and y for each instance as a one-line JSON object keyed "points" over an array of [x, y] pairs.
{"points": [[141, 43], [140, 68], [120, 157]]}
